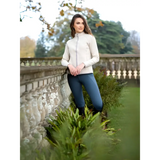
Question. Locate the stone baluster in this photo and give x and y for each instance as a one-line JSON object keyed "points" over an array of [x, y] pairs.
{"points": [[56, 100], [29, 111], [121, 68], [101, 62], [138, 68], [132, 68], [117, 61], [59, 62], [50, 89], [127, 68], [27, 63], [52, 62], [53, 95], [54, 91], [40, 104], [24, 62], [44, 97], [135, 68], [21, 118], [55, 62], [49, 62], [30, 62], [40, 62], [107, 66], [24, 123], [35, 103], [135, 64], [111, 66], [49, 95], [46, 62], [35, 62]]}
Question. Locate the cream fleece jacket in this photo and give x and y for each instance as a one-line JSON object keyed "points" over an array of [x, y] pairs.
{"points": [[81, 49]]}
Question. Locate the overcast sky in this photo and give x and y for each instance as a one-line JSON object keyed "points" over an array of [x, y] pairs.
{"points": [[125, 11]]}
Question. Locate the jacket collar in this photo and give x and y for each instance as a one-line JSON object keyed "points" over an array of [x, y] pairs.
{"points": [[79, 34]]}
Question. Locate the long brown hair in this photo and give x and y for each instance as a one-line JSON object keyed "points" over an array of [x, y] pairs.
{"points": [[87, 30]]}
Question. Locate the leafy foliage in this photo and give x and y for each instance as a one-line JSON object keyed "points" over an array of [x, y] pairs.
{"points": [[32, 5], [110, 36], [135, 41], [61, 36], [27, 47], [125, 35], [74, 136], [41, 50], [77, 122]]}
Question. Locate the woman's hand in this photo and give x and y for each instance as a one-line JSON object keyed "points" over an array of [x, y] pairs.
{"points": [[72, 69], [79, 68]]}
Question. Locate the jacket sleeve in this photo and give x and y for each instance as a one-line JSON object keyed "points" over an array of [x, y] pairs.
{"points": [[94, 52], [66, 57]]}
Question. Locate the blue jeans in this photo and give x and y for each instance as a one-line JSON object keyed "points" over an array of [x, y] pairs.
{"points": [[90, 84]]}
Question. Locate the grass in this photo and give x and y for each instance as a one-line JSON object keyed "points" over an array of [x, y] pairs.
{"points": [[126, 120]]}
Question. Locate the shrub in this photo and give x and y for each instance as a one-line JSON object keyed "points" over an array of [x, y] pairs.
{"points": [[73, 136], [76, 137]]}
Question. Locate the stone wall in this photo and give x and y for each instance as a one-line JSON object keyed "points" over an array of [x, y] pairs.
{"points": [[43, 90]]}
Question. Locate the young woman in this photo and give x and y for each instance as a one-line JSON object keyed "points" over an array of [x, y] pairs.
{"points": [[81, 52]]}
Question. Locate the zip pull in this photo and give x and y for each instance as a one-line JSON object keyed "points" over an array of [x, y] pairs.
{"points": [[77, 51]]}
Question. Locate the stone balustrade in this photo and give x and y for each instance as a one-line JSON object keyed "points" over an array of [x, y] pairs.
{"points": [[44, 89], [124, 66], [47, 61]]}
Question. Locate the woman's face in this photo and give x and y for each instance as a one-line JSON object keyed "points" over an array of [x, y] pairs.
{"points": [[78, 25]]}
